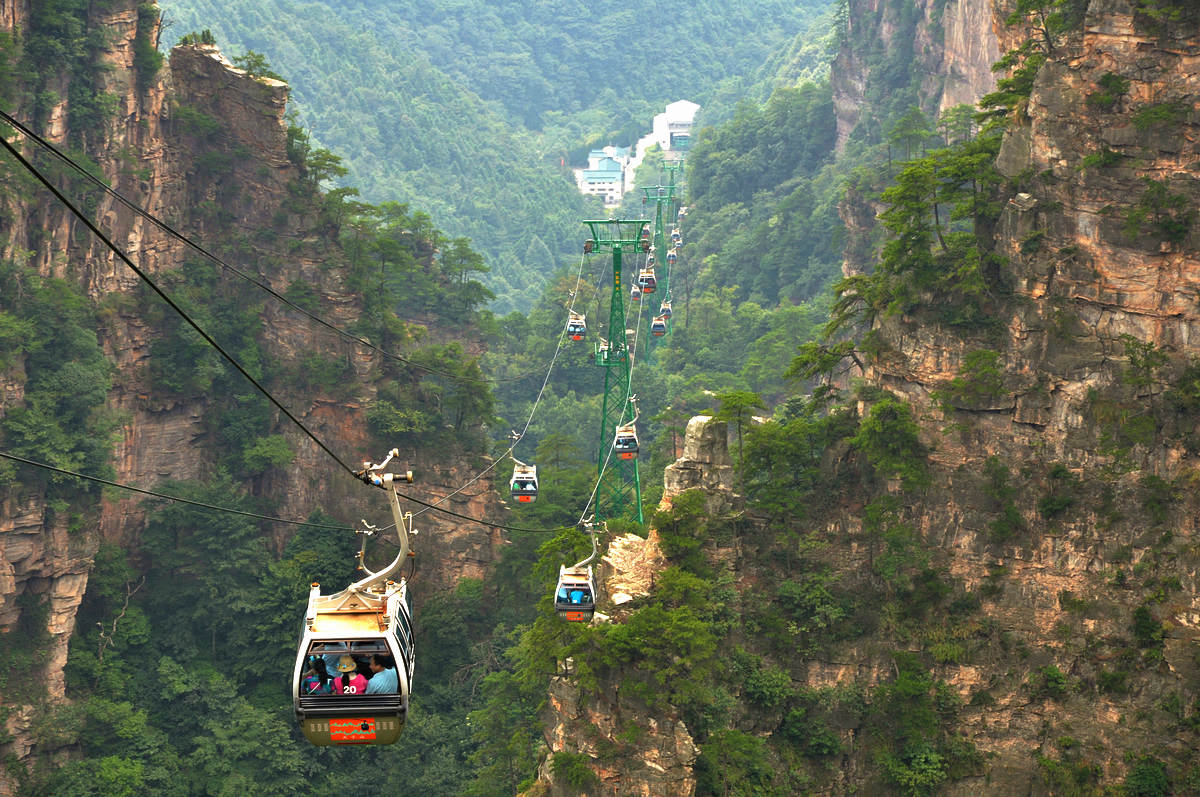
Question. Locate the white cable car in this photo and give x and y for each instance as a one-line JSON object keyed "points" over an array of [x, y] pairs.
{"points": [[658, 327], [671, 257], [647, 281], [635, 294], [626, 442], [575, 594], [664, 309], [650, 260], [524, 483], [365, 628], [576, 326]]}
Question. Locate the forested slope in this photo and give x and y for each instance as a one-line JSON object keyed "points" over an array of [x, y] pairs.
{"points": [[468, 110]]}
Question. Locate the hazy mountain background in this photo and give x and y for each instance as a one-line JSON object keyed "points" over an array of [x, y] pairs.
{"points": [[474, 111]]}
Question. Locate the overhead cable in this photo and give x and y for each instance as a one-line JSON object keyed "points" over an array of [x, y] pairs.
{"points": [[68, 160], [208, 339], [153, 494]]}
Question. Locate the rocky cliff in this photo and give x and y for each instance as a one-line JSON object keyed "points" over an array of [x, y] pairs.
{"points": [[202, 145], [1046, 637], [631, 748], [933, 53], [1096, 358]]}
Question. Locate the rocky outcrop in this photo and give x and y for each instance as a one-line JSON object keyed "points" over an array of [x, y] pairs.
{"points": [[659, 764], [950, 46], [601, 726], [704, 464], [1101, 244]]}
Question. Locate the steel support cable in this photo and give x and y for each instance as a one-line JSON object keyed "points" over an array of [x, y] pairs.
{"points": [[233, 269], [153, 494], [208, 339], [171, 302], [549, 370]]}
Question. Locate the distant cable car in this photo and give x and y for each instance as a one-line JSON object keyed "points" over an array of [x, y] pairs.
{"points": [[671, 257], [575, 594], [576, 326], [659, 326], [645, 240], [524, 483], [677, 238], [664, 309], [647, 281], [649, 260], [626, 442], [347, 635], [588, 246], [635, 294]]}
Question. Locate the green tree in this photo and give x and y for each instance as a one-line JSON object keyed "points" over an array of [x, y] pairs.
{"points": [[888, 436], [737, 407]]}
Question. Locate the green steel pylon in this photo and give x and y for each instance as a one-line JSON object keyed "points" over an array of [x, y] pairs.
{"points": [[620, 487]]}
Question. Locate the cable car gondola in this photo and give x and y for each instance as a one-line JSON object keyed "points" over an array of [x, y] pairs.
{"points": [[626, 442], [524, 483], [575, 594], [647, 281], [635, 294], [365, 628], [671, 257], [658, 327], [664, 309], [576, 326]]}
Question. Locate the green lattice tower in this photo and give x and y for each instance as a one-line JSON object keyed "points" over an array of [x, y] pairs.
{"points": [[620, 487], [660, 195]]}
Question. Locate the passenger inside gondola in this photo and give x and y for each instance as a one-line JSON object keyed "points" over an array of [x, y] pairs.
{"points": [[383, 676], [576, 594], [350, 681], [316, 677]]}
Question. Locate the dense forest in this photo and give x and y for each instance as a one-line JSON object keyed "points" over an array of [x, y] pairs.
{"points": [[880, 523], [428, 105]]}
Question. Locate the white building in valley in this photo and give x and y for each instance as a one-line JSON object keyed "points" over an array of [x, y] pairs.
{"points": [[672, 129], [605, 174], [610, 171]]}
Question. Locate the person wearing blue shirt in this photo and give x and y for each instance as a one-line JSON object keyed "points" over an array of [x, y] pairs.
{"points": [[384, 680]]}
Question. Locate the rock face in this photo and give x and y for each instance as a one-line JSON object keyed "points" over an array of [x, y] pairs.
{"points": [[658, 765], [1105, 257], [705, 463], [950, 44], [660, 762], [153, 153]]}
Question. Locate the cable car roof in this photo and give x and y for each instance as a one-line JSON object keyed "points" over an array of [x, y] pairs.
{"points": [[348, 623]]}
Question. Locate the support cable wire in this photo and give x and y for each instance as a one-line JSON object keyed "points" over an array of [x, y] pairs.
{"points": [[562, 336], [153, 494], [233, 269], [208, 339], [171, 302]]}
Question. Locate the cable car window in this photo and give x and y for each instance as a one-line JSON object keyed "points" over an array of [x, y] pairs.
{"points": [[403, 618]]}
